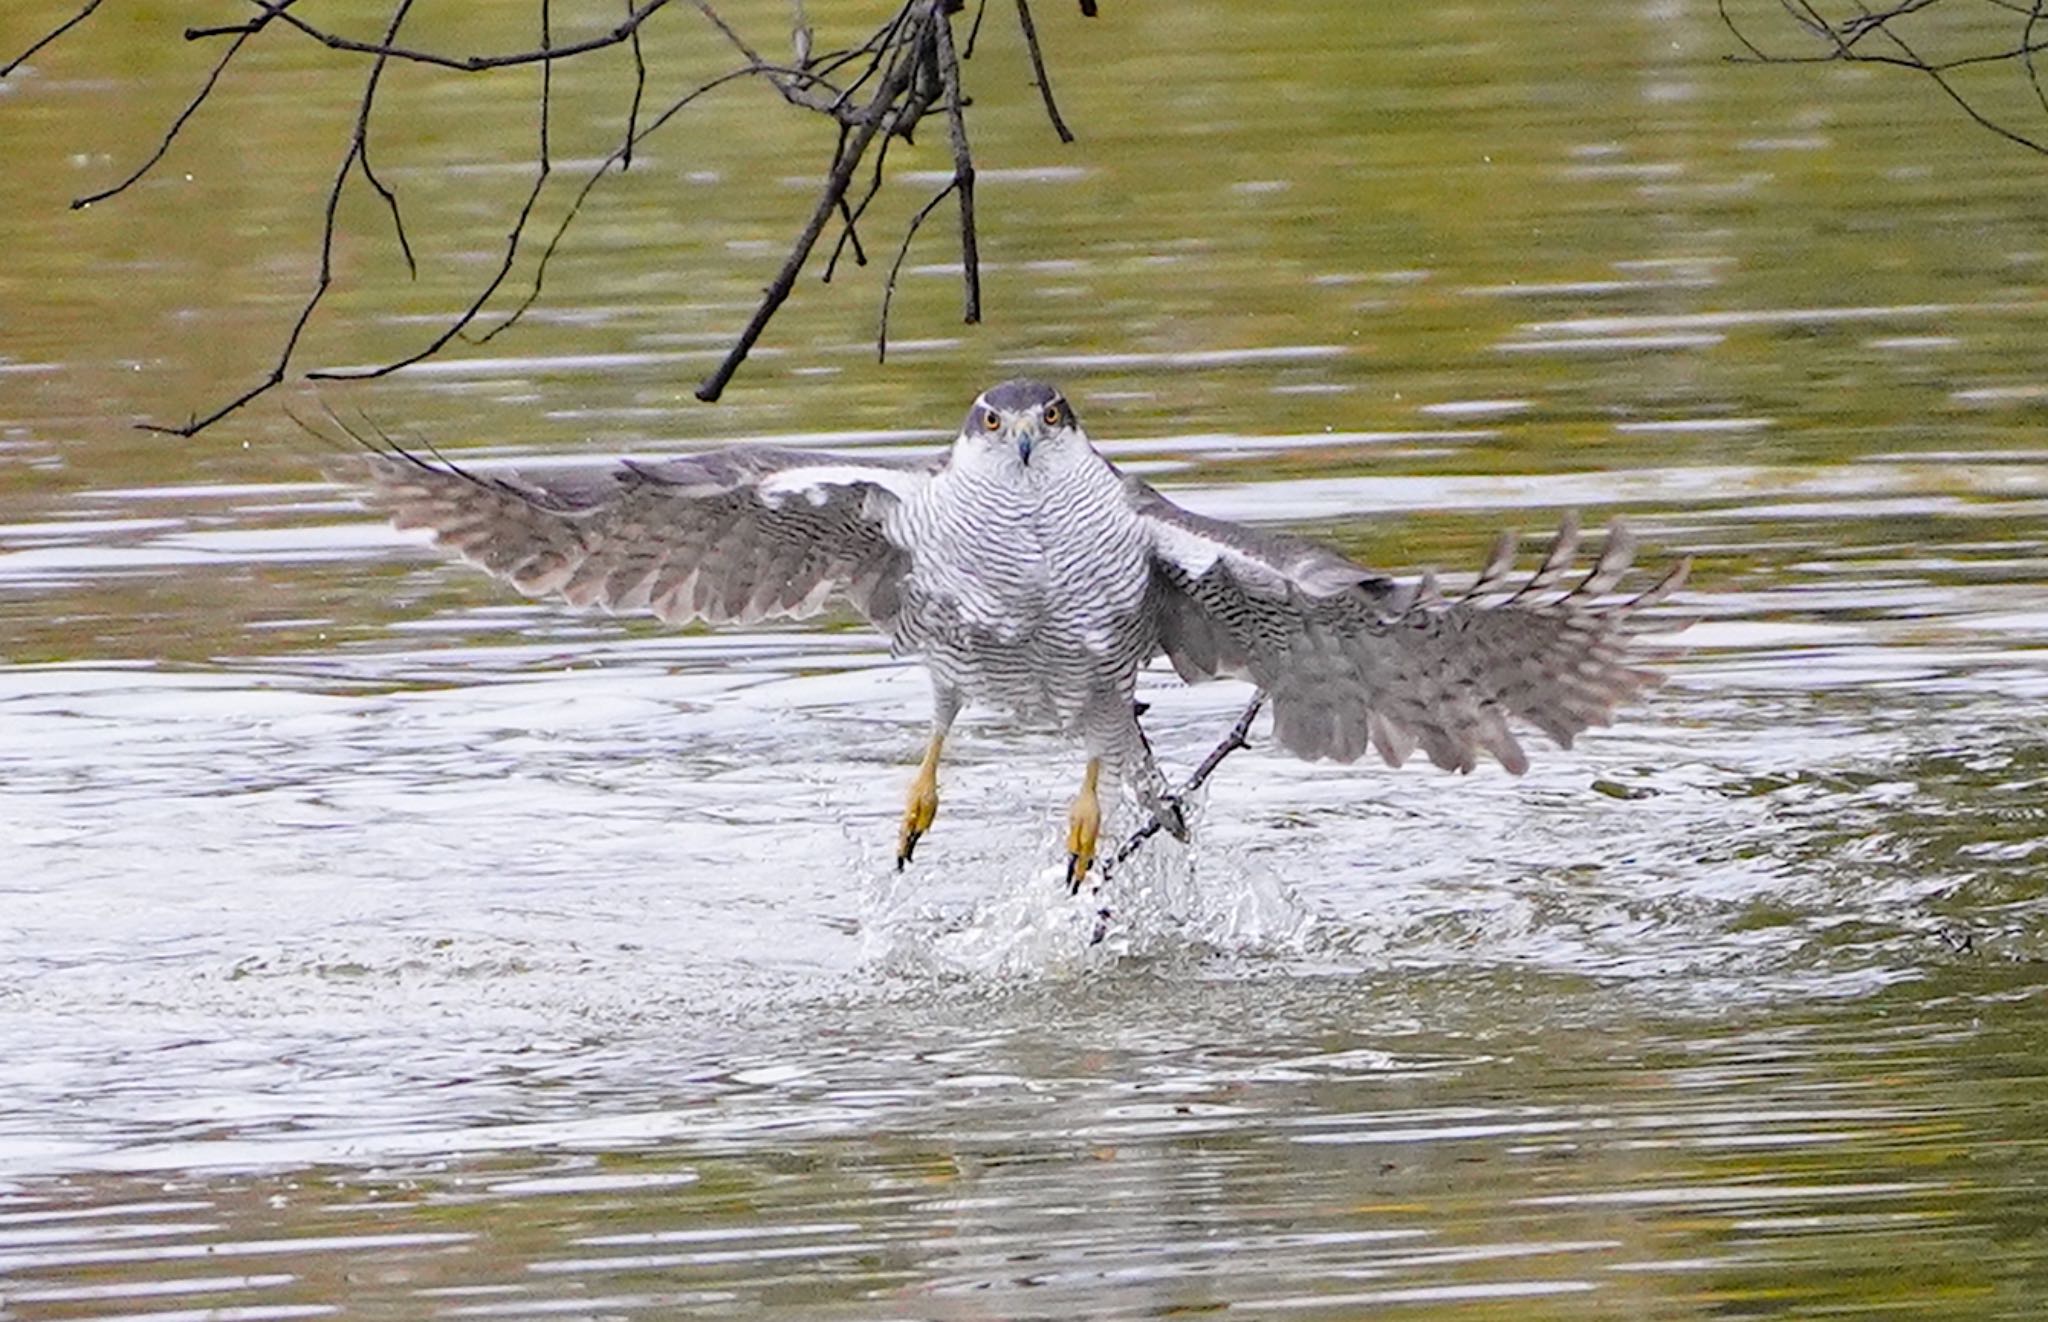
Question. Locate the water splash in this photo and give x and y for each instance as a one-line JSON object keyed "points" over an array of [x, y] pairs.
{"points": [[1169, 903]]}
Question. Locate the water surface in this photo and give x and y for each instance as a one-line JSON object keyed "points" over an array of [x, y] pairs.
{"points": [[373, 942]]}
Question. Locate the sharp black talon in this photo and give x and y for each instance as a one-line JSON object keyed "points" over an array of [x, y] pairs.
{"points": [[1172, 818], [1074, 874]]}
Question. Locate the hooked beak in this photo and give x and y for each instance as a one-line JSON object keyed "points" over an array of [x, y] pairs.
{"points": [[1024, 448]]}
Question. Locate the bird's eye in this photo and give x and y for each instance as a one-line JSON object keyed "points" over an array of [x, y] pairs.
{"points": [[991, 421], [1052, 415]]}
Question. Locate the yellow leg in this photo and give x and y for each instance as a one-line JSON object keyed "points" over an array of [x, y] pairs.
{"points": [[1084, 825], [923, 804]]}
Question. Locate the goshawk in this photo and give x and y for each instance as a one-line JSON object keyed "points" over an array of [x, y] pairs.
{"points": [[1029, 573]]}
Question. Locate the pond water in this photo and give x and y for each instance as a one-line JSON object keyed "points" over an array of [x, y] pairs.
{"points": [[374, 942]]}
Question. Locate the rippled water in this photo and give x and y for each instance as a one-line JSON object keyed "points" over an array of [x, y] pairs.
{"points": [[372, 942]]}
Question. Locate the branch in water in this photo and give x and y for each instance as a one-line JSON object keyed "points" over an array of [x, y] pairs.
{"points": [[1236, 739]]}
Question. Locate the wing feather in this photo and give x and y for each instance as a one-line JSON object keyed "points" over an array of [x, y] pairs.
{"points": [[1354, 661], [735, 535]]}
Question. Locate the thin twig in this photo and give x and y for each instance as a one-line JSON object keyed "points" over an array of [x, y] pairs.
{"points": [[363, 156], [544, 168], [849, 216], [639, 91], [889, 288], [799, 91], [847, 234], [843, 166], [1735, 30], [883, 43], [326, 277], [926, 84], [479, 63], [800, 35], [974, 30], [2027, 45], [1052, 109], [726, 29], [617, 157], [50, 36], [963, 174], [254, 26], [547, 83], [1849, 41], [1236, 739]]}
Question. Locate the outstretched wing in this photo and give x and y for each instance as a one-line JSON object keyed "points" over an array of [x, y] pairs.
{"points": [[727, 536], [1352, 660]]}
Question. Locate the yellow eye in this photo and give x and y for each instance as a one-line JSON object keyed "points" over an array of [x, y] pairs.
{"points": [[1052, 415], [990, 421]]}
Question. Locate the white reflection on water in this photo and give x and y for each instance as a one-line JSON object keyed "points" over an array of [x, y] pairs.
{"points": [[259, 879]]}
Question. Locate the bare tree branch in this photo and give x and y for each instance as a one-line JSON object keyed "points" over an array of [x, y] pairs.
{"points": [[543, 169], [847, 233], [1872, 36], [845, 162], [1239, 737], [326, 278], [889, 288], [412, 267], [875, 91], [48, 37], [2027, 45], [1052, 109], [243, 33], [639, 92], [363, 156], [849, 217], [170, 134], [974, 31], [963, 178], [618, 157], [480, 63]]}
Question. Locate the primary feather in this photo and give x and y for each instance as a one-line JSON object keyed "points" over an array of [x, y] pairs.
{"points": [[730, 536], [1351, 660]]}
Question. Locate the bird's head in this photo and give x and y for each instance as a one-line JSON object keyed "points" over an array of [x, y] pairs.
{"points": [[1022, 426]]}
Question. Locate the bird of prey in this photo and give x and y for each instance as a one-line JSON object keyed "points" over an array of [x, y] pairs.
{"points": [[1029, 573]]}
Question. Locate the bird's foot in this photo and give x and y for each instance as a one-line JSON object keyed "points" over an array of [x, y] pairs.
{"points": [[921, 809], [1084, 828], [917, 819]]}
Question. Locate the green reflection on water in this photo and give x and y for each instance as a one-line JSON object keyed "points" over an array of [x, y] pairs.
{"points": [[1409, 185], [1830, 267]]}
